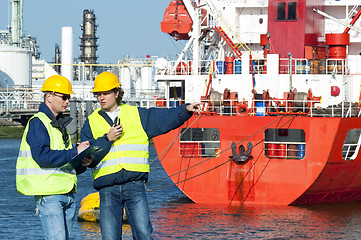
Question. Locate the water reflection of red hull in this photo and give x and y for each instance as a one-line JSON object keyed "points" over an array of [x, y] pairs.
{"points": [[320, 174]]}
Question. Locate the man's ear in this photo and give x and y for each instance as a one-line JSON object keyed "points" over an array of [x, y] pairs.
{"points": [[48, 97]]}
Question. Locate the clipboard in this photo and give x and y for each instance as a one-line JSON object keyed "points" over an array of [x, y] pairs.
{"points": [[76, 160]]}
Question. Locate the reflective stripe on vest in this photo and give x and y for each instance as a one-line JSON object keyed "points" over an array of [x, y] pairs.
{"points": [[130, 151], [31, 179], [129, 160], [41, 171]]}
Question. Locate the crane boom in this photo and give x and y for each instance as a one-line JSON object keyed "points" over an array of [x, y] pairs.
{"points": [[347, 25]]}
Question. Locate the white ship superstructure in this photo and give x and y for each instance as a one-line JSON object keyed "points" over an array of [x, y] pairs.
{"points": [[234, 35]]}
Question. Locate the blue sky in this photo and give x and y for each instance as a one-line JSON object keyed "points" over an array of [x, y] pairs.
{"points": [[124, 27]]}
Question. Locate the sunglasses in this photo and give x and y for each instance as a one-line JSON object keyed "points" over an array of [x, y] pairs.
{"points": [[98, 94], [64, 97]]}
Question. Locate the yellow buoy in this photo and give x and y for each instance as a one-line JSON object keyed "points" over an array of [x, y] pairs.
{"points": [[89, 208]]}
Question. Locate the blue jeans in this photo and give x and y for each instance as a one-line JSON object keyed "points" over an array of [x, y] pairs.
{"points": [[131, 197], [56, 213]]}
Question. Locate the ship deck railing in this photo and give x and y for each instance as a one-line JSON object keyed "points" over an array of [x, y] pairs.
{"points": [[286, 66], [313, 66], [17, 100], [277, 107]]}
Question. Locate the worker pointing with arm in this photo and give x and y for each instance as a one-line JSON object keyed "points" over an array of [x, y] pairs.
{"points": [[121, 169], [42, 168]]}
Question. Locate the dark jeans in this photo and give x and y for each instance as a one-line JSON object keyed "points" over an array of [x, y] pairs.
{"points": [[113, 200]]}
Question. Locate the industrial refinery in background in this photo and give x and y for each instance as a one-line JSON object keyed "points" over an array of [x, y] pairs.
{"points": [[88, 45], [22, 71]]}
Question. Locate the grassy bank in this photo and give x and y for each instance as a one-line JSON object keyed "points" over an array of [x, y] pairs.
{"points": [[17, 132], [11, 131]]}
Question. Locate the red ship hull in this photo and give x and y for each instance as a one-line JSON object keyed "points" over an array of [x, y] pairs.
{"points": [[321, 176]]}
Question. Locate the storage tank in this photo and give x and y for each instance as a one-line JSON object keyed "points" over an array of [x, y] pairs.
{"points": [[125, 80], [146, 75], [15, 67]]}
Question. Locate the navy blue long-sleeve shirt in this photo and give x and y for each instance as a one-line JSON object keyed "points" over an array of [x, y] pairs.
{"points": [[39, 141], [155, 121]]}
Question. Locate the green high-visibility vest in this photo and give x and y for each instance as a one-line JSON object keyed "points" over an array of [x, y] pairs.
{"points": [[31, 179], [130, 151]]}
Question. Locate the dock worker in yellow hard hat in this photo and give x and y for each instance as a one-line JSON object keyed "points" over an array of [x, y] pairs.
{"points": [[121, 169], [42, 168]]}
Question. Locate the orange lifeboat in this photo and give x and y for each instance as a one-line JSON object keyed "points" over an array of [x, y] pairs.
{"points": [[176, 21]]}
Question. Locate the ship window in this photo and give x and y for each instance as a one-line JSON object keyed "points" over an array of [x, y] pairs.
{"points": [[351, 145], [291, 11], [292, 7], [284, 143], [281, 11], [199, 142]]}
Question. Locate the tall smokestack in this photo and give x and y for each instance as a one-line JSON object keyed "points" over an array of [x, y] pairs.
{"points": [[67, 53], [57, 59], [17, 23]]}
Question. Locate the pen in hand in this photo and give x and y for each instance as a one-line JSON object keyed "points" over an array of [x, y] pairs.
{"points": [[82, 146]]}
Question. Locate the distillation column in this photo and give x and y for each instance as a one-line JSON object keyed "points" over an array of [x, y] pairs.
{"points": [[88, 45], [17, 23]]}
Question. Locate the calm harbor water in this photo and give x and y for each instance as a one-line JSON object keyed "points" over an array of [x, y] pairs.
{"points": [[175, 217]]}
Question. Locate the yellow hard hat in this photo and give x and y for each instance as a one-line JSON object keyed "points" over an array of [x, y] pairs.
{"points": [[105, 81], [57, 83]]}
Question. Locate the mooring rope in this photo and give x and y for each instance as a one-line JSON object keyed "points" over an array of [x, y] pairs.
{"points": [[253, 164], [170, 145], [162, 179]]}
